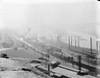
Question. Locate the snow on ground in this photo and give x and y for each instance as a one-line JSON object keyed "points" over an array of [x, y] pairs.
{"points": [[12, 69], [17, 74], [6, 64]]}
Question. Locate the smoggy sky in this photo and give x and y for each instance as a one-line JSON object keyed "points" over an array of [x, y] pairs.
{"points": [[49, 16]]}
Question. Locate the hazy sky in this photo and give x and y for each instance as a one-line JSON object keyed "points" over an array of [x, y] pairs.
{"points": [[47, 16], [50, 16]]}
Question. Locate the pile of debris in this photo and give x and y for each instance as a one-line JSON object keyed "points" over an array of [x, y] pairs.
{"points": [[10, 68]]}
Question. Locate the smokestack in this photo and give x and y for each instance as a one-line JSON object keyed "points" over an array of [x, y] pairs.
{"points": [[75, 41], [97, 47], [78, 41], [91, 44], [69, 41]]}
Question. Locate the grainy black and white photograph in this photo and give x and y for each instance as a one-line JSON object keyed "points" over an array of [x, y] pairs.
{"points": [[49, 39]]}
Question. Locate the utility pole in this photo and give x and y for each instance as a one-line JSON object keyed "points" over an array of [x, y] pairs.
{"points": [[72, 59], [91, 44], [98, 54], [48, 56], [49, 68], [79, 61]]}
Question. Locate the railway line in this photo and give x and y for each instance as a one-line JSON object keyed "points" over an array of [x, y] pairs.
{"points": [[93, 69]]}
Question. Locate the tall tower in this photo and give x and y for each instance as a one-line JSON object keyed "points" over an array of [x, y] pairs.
{"points": [[98, 57]]}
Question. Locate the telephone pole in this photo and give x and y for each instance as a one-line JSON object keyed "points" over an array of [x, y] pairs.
{"points": [[48, 57], [48, 65], [79, 61]]}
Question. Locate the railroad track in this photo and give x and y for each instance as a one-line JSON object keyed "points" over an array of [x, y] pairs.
{"points": [[63, 58]]}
